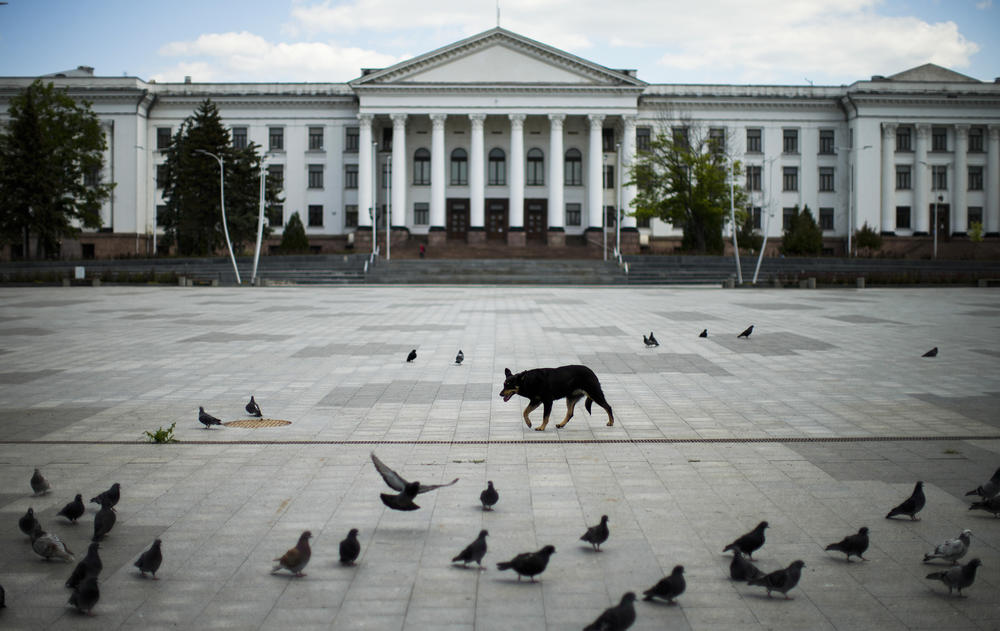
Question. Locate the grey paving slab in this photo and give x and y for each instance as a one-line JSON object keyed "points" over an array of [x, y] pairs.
{"points": [[819, 424]]}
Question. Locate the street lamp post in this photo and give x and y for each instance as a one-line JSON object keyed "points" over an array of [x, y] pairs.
{"points": [[388, 205], [732, 218], [374, 207], [852, 153], [618, 201], [260, 223], [222, 204], [604, 214], [937, 202]]}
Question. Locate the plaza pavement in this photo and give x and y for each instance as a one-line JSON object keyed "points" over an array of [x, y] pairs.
{"points": [[819, 423]]}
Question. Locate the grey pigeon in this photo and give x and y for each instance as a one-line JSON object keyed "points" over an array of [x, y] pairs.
{"points": [[207, 419], [780, 580], [109, 497], [460, 357], [27, 522], [912, 505], [39, 484], [48, 545], [951, 549], [991, 505], [989, 488], [852, 544], [411, 356], [295, 559], [650, 341], [529, 564], [750, 542], [91, 564], [959, 577], [86, 595], [252, 408], [404, 499], [742, 569], [931, 353], [704, 333], [104, 521], [74, 510], [617, 618], [746, 332], [669, 587], [475, 551], [150, 560], [350, 548], [489, 497], [396, 481], [596, 535]]}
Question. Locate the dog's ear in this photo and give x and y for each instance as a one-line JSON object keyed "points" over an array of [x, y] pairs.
{"points": [[507, 373]]}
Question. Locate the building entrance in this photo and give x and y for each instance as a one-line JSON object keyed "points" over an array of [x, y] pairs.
{"points": [[496, 219], [458, 218], [536, 219]]}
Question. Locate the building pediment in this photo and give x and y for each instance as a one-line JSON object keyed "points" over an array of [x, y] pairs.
{"points": [[932, 72]]}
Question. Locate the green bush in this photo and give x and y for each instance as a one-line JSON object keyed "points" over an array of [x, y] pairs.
{"points": [[803, 236], [867, 239], [294, 239], [162, 435]]}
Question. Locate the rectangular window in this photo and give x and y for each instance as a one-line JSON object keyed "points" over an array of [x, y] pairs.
{"points": [[903, 217], [609, 177], [351, 216], [239, 137], [315, 139], [315, 176], [790, 178], [826, 179], [422, 170], [534, 174], [975, 140], [643, 222], [754, 144], [421, 213], [975, 216], [903, 181], [681, 138], [790, 141], [826, 142], [572, 214], [904, 139], [717, 140], [350, 176], [315, 216], [161, 175], [826, 219], [642, 138], [352, 138], [608, 139], [163, 138], [939, 178], [755, 214], [276, 215], [939, 139], [573, 171], [161, 213], [92, 177], [497, 172], [975, 178], [276, 176], [786, 218], [459, 171], [276, 139], [386, 139], [753, 178]]}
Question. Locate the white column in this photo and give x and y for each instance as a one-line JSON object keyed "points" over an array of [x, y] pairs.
{"points": [[595, 175], [888, 178], [921, 182], [477, 173], [628, 155], [992, 211], [365, 170], [960, 206], [516, 162], [399, 171], [556, 212], [437, 171]]}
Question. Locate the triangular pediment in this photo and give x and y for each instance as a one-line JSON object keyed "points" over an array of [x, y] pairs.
{"points": [[497, 56], [932, 72]]}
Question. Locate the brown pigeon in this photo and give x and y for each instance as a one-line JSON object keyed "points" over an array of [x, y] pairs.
{"points": [[296, 559]]}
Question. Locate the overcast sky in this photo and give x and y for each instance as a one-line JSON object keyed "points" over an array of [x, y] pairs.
{"points": [[825, 42]]}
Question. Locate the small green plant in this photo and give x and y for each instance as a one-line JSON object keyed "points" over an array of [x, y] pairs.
{"points": [[162, 435], [976, 232], [867, 239]]}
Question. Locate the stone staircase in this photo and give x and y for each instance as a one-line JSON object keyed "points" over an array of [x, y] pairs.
{"points": [[496, 272]]}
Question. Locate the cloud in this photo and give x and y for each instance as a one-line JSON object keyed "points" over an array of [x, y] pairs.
{"points": [[984, 4]]}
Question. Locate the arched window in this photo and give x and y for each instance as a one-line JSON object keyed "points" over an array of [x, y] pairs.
{"points": [[421, 167], [497, 174], [573, 168], [459, 167], [535, 175]]}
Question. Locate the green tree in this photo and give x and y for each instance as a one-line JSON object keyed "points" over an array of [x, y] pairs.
{"points": [[685, 181], [749, 238], [867, 240], [293, 238], [192, 219], [803, 236], [51, 156]]}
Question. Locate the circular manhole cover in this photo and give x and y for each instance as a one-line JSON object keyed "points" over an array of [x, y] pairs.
{"points": [[257, 423]]}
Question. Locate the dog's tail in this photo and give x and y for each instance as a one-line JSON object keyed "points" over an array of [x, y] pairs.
{"points": [[588, 403]]}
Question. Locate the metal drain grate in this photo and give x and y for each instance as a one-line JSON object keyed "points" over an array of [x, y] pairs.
{"points": [[257, 423]]}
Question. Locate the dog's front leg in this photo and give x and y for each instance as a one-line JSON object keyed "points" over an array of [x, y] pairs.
{"points": [[546, 410], [528, 410]]}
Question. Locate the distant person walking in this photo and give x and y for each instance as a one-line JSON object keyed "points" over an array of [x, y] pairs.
{"points": [[422, 250]]}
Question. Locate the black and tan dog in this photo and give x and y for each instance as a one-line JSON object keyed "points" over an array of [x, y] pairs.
{"points": [[542, 386]]}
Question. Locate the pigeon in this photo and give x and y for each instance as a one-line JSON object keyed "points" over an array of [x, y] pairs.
{"points": [[104, 520], [396, 481], [91, 564], [74, 510], [460, 357], [252, 408], [750, 542], [150, 560], [529, 564], [404, 499], [959, 577], [617, 618], [411, 356], [991, 505], [650, 341], [475, 551], [596, 535], [27, 522], [951, 549], [39, 484], [489, 496], [912, 505], [852, 544], [780, 580], [296, 558], [704, 333], [931, 353], [207, 419], [350, 548], [86, 595], [110, 497], [48, 545], [989, 488], [742, 569], [746, 332], [669, 587]]}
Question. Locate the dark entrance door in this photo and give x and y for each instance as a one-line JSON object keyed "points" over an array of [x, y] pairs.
{"points": [[496, 219], [943, 221], [458, 218], [535, 219]]}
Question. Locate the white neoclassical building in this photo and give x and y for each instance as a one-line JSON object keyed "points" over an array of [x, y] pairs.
{"points": [[503, 139]]}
